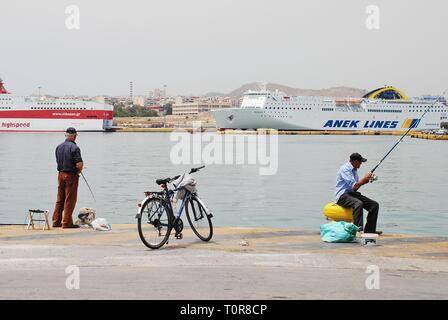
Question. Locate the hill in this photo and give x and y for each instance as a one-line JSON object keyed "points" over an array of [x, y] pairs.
{"points": [[331, 92]]}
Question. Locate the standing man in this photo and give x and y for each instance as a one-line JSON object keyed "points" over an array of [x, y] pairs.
{"points": [[347, 195], [70, 164]]}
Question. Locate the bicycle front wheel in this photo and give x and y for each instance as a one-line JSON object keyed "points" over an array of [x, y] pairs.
{"points": [[154, 225], [200, 222]]}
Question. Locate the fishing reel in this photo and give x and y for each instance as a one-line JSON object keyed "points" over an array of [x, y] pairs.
{"points": [[373, 178]]}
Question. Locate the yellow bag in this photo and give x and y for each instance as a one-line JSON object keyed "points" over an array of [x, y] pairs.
{"points": [[335, 212]]}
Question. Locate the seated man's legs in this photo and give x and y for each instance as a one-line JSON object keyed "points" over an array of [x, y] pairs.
{"points": [[349, 200], [372, 208]]}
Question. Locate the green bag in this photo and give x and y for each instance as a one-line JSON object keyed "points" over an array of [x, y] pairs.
{"points": [[340, 231]]}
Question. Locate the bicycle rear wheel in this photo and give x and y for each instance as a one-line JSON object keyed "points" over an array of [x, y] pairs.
{"points": [[154, 223], [200, 222]]}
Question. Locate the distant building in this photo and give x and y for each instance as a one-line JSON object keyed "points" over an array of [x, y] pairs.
{"points": [[139, 101], [196, 107], [159, 109], [99, 99], [158, 93]]}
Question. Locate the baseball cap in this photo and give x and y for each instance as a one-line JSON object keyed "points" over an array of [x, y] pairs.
{"points": [[357, 156], [71, 130]]}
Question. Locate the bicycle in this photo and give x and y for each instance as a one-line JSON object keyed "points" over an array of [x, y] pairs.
{"points": [[155, 217]]}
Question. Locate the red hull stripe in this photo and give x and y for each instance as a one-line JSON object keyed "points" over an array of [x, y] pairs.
{"points": [[34, 131], [57, 114]]}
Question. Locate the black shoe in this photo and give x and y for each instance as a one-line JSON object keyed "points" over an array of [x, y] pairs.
{"points": [[374, 232], [73, 226]]}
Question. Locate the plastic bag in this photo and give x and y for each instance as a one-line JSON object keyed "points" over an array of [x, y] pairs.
{"points": [[340, 231], [101, 224], [184, 181]]}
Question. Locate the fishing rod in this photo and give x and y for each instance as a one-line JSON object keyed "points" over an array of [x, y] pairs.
{"points": [[88, 186], [374, 177]]}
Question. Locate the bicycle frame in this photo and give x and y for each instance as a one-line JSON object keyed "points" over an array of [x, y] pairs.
{"points": [[170, 196]]}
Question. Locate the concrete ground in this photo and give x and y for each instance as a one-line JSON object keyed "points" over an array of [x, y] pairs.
{"points": [[275, 264]]}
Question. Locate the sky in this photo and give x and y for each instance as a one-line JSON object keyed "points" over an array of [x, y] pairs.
{"points": [[198, 46]]}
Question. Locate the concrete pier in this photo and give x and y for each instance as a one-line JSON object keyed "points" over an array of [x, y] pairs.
{"points": [[239, 263]]}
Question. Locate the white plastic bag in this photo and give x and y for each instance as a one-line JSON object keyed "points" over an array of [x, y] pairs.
{"points": [[184, 181], [101, 224]]}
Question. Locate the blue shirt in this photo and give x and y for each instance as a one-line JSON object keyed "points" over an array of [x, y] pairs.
{"points": [[346, 178], [68, 155]]}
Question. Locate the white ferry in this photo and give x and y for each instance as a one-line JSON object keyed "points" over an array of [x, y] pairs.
{"points": [[383, 109], [25, 113]]}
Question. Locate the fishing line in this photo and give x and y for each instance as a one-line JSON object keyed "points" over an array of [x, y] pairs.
{"points": [[374, 177], [88, 186]]}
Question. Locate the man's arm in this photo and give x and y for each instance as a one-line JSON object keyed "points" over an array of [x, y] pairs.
{"points": [[362, 181], [79, 164]]}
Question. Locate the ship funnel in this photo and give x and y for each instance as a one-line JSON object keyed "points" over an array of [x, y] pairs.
{"points": [[2, 88]]}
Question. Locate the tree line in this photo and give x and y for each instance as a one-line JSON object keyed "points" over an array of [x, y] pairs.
{"points": [[122, 110]]}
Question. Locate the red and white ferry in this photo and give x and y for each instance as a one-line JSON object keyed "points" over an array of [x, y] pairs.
{"points": [[26, 113]]}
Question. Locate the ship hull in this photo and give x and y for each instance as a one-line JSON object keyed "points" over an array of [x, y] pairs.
{"points": [[34, 116], [255, 118], [52, 125]]}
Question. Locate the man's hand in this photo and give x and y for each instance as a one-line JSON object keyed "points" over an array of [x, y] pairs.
{"points": [[80, 166], [367, 177], [362, 181]]}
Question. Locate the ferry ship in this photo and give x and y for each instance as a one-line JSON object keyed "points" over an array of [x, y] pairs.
{"points": [[32, 114], [383, 109]]}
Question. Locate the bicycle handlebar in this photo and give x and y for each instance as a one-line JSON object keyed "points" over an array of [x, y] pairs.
{"points": [[168, 180], [193, 170]]}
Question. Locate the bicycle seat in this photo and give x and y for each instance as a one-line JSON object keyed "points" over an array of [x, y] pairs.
{"points": [[163, 181], [166, 180]]}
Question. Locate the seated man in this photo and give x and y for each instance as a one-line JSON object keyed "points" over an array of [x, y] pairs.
{"points": [[347, 195]]}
